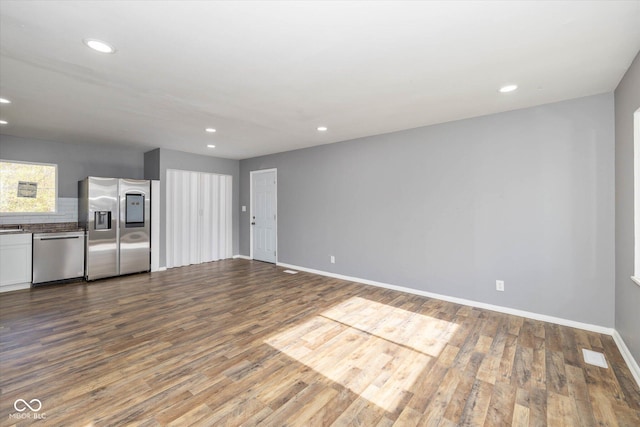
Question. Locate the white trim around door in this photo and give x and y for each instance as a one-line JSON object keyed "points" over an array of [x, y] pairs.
{"points": [[252, 210]]}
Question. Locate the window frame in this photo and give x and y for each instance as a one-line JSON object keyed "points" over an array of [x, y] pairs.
{"points": [[636, 195], [55, 211]]}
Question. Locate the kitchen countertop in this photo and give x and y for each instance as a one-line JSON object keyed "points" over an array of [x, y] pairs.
{"points": [[40, 228], [8, 231]]}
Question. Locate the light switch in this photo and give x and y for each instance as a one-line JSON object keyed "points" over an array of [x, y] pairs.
{"points": [[244, 209]]}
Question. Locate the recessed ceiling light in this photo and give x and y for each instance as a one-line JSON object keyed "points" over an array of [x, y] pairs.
{"points": [[4, 101], [211, 146], [99, 46], [322, 128], [4, 122], [508, 88], [210, 130]]}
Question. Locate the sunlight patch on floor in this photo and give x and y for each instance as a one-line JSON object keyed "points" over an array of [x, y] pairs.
{"points": [[375, 350]]}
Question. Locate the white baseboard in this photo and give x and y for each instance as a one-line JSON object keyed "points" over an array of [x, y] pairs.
{"points": [[498, 308], [162, 268], [626, 354], [16, 287], [241, 257]]}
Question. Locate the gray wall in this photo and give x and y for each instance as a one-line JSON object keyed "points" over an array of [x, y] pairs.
{"points": [[627, 101], [524, 196], [152, 164], [158, 161], [75, 161]]}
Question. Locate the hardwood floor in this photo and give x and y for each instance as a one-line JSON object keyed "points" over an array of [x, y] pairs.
{"points": [[242, 343]]}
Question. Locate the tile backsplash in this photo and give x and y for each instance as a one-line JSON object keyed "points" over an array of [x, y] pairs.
{"points": [[67, 212]]}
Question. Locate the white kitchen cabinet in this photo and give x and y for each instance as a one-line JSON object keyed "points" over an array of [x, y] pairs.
{"points": [[15, 261]]}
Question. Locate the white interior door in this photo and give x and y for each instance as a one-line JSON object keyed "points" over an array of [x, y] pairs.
{"points": [[264, 215]]}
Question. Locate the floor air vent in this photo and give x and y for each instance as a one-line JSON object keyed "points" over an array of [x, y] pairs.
{"points": [[594, 358]]}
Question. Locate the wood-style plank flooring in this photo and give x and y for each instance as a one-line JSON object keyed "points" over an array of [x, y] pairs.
{"points": [[238, 342]]}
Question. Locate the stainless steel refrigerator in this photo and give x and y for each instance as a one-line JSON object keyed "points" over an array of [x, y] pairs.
{"points": [[115, 215]]}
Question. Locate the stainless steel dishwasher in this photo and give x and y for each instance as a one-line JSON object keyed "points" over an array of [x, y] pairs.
{"points": [[57, 256]]}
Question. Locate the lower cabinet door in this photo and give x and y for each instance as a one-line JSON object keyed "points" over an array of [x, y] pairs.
{"points": [[15, 260]]}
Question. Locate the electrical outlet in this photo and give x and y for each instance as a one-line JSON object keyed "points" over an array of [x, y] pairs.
{"points": [[500, 285], [333, 259]]}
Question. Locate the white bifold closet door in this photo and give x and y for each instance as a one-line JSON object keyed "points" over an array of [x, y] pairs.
{"points": [[199, 222]]}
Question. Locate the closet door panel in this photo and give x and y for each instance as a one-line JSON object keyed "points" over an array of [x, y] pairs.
{"points": [[199, 217], [194, 221], [225, 214]]}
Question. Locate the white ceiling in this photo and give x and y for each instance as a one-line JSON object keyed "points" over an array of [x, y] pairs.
{"points": [[266, 74]]}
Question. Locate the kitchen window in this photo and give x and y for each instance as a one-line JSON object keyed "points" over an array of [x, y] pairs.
{"points": [[28, 188]]}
